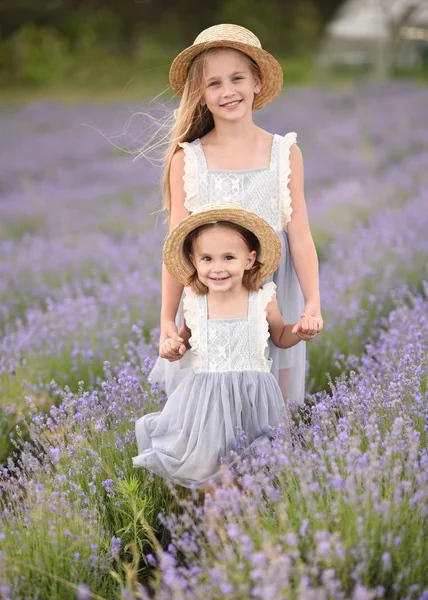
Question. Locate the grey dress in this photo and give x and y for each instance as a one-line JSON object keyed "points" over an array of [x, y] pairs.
{"points": [[264, 191], [230, 390]]}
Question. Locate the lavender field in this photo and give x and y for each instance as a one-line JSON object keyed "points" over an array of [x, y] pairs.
{"points": [[338, 508]]}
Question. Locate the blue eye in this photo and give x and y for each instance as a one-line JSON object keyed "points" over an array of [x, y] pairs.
{"points": [[206, 258], [237, 78], [230, 258], [213, 83]]}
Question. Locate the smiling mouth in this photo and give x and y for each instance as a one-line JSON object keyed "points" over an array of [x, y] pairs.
{"points": [[219, 278], [231, 104]]}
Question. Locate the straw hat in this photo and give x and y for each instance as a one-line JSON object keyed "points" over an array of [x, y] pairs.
{"points": [[270, 244], [239, 38]]}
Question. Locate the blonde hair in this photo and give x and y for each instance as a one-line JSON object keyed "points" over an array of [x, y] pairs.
{"points": [[252, 276], [192, 119]]}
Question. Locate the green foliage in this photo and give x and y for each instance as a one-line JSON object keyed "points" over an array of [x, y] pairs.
{"points": [[298, 70], [306, 27], [91, 50], [34, 56], [56, 555], [286, 32], [39, 58], [73, 516], [256, 16]]}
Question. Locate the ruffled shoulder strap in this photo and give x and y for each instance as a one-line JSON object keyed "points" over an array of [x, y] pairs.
{"points": [[192, 314], [285, 208], [190, 177], [260, 324], [266, 293]]}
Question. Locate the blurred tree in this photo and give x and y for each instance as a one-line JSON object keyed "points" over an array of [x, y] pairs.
{"points": [[307, 26], [54, 41], [172, 20], [268, 20]]}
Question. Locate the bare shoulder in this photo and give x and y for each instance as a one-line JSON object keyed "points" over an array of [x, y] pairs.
{"points": [[177, 163], [296, 154], [178, 209], [296, 166]]}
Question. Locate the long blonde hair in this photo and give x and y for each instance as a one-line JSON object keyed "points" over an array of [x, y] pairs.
{"points": [[192, 119]]}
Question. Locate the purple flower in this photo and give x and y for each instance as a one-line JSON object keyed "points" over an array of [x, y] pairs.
{"points": [[108, 485], [115, 546], [83, 592], [226, 588]]}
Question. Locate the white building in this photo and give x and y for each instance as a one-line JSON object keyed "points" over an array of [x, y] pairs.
{"points": [[378, 33]]}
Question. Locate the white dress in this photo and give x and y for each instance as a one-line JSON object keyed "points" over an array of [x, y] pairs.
{"points": [[230, 390], [265, 192]]}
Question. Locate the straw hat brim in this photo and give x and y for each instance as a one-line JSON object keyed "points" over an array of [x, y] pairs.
{"points": [[270, 244], [271, 71]]}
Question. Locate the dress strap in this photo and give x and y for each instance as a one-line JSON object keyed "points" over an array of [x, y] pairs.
{"points": [[275, 168], [253, 329], [203, 331], [203, 196], [195, 313], [259, 326], [190, 177], [285, 208], [274, 153]]}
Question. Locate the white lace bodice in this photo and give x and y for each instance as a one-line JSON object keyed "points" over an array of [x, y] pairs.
{"points": [[263, 191], [220, 345]]}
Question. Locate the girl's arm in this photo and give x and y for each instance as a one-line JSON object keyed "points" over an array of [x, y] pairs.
{"points": [[173, 349], [302, 246], [185, 334], [281, 334], [171, 288]]}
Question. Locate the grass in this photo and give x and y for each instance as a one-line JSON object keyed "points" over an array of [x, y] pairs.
{"points": [[124, 82], [71, 511], [121, 79]]}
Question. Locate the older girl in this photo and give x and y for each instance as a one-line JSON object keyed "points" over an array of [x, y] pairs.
{"points": [[217, 154]]}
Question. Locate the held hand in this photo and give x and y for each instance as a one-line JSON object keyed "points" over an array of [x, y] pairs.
{"points": [[314, 313], [304, 337], [308, 327], [172, 348]]}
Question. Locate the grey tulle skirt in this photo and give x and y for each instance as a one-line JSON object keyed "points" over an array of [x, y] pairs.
{"points": [[288, 366], [208, 417]]}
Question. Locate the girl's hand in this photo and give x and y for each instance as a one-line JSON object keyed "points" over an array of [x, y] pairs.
{"points": [[307, 327], [314, 313], [172, 348]]}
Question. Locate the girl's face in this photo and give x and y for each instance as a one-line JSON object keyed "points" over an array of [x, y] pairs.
{"points": [[221, 256], [230, 85]]}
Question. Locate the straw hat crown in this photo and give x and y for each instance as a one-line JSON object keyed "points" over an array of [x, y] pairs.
{"points": [[231, 32], [237, 38], [270, 244]]}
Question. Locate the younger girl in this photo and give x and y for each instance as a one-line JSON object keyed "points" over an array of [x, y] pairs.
{"points": [[217, 154], [222, 252]]}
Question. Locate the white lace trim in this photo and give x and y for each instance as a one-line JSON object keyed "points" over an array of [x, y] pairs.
{"points": [[190, 177], [275, 197], [191, 314], [264, 296], [285, 208]]}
